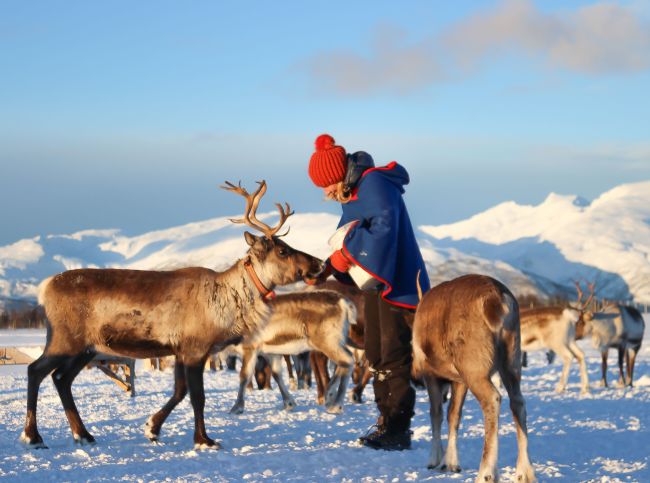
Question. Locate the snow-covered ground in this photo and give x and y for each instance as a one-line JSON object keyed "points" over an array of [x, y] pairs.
{"points": [[602, 437]]}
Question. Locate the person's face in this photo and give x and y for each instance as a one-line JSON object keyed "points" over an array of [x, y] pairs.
{"points": [[330, 190]]}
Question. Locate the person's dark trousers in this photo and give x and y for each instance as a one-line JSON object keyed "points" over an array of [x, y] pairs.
{"points": [[389, 352]]}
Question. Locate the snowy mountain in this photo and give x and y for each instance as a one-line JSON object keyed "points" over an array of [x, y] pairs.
{"points": [[215, 243], [535, 250], [565, 238]]}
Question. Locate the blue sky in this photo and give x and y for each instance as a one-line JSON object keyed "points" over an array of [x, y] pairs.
{"points": [[130, 114]]}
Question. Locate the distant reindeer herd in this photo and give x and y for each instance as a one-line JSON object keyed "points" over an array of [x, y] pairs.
{"points": [[464, 332]]}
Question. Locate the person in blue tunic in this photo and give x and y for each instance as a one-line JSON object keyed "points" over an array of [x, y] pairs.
{"points": [[380, 240]]}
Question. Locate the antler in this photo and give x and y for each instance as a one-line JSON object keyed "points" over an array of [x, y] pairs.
{"points": [[252, 202], [592, 287]]}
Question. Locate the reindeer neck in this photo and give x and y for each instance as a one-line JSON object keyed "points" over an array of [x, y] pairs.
{"points": [[235, 301], [256, 276]]}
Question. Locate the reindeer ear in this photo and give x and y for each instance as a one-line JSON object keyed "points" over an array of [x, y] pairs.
{"points": [[250, 238]]}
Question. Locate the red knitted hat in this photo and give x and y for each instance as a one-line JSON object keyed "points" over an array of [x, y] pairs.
{"points": [[328, 164]]}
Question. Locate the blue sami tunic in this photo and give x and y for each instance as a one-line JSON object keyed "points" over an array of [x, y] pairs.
{"points": [[382, 241]]}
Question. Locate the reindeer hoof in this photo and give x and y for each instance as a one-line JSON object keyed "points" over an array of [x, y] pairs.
{"points": [[151, 433], [83, 440], [35, 442], [237, 410], [356, 398], [451, 468], [208, 444], [334, 409], [526, 476], [292, 385], [290, 405]]}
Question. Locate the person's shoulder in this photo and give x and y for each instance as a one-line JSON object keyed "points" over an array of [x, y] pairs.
{"points": [[372, 181], [391, 176]]}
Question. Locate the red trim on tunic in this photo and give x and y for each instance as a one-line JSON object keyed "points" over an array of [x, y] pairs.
{"points": [[388, 167], [389, 287]]}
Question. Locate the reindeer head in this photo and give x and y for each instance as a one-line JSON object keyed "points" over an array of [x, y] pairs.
{"points": [[585, 315], [277, 263]]}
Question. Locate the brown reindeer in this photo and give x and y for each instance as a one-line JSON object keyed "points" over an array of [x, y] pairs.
{"points": [[187, 313], [464, 331], [314, 320], [361, 374], [557, 328]]}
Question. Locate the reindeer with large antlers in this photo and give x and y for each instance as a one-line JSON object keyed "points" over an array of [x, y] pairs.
{"points": [[188, 313], [556, 329]]}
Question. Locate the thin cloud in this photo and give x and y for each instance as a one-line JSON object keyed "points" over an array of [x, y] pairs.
{"points": [[394, 64], [602, 38]]}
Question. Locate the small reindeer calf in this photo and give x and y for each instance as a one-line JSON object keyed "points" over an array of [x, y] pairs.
{"points": [[303, 321]]}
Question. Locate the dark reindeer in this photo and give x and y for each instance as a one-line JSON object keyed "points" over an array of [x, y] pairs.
{"points": [[619, 327], [464, 331], [188, 313]]}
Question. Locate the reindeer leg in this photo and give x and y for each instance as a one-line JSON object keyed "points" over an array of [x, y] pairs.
{"points": [[245, 374], [276, 370], [344, 361], [580, 356], [231, 363], [194, 376], [303, 371], [332, 388], [511, 379], [434, 388], [155, 422], [621, 372], [489, 398], [454, 413], [550, 356], [308, 372], [319, 364], [566, 356], [36, 372], [357, 392], [292, 380], [262, 375], [631, 358], [603, 366], [63, 377]]}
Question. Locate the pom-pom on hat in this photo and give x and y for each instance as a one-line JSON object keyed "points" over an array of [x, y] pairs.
{"points": [[328, 164]]}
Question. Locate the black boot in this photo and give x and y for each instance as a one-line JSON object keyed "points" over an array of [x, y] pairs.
{"points": [[392, 435], [374, 432], [389, 440]]}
